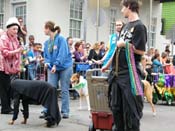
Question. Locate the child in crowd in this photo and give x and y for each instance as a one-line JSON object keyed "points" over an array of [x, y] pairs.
{"points": [[34, 58]]}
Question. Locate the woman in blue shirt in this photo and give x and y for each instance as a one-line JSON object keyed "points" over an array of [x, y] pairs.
{"points": [[57, 58], [157, 66]]}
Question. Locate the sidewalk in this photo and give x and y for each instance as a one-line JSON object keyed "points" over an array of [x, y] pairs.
{"points": [[78, 121], [77, 116]]}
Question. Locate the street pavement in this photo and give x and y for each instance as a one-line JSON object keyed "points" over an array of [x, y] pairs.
{"points": [[80, 120]]}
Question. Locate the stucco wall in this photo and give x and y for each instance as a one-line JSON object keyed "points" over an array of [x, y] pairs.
{"points": [[39, 11]]}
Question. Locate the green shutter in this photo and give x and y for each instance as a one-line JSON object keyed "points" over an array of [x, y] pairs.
{"points": [[168, 10]]}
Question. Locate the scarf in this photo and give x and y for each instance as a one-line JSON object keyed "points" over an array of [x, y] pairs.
{"points": [[111, 52], [136, 87]]}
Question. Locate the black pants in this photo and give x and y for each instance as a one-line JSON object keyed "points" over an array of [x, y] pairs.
{"points": [[5, 92], [126, 108]]}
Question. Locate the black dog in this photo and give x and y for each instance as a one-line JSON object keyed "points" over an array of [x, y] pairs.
{"points": [[35, 92]]}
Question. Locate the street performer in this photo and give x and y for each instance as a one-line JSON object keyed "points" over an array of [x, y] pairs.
{"points": [[125, 88]]}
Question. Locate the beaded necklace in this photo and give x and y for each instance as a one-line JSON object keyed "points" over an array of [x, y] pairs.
{"points": [[136, 87], [51, 44]]}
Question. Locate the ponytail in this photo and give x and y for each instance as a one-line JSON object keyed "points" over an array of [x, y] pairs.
{"points": [[52, 27], [58, 29]]}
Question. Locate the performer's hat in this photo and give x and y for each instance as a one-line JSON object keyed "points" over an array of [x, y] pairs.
{"points": [[12, 21]]}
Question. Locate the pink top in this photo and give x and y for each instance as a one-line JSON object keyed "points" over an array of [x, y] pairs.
{"points": [[9, 63], [1, 62]]}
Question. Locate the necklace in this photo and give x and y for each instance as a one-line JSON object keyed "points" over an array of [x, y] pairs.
{"points": [[51, 43]]}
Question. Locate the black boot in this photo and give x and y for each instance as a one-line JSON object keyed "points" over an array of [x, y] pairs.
{"points": [[50, 121]]}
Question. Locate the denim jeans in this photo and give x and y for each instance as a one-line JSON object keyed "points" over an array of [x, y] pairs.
{"points": [[31, 72], [64, 77]]}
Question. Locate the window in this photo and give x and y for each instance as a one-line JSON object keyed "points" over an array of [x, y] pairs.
{"points": [[76, 15], [20, 11], [153, 32], [1, 14], [17, 1], [113, 17]]}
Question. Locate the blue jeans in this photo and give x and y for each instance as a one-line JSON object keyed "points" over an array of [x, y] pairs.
{"points": [[64, 77], [31, 72]]}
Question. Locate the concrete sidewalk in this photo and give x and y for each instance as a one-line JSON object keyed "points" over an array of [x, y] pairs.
{"points": [[80, 120]]}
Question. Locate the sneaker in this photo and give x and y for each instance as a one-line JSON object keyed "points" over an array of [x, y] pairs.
{"points": [[65, 116], [43, 115]]}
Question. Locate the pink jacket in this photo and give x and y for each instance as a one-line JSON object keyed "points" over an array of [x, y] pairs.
{"points": [[9, 63]]}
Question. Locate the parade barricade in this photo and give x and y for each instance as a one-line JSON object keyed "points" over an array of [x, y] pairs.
{"points": [[98, 94], [82, 67]]}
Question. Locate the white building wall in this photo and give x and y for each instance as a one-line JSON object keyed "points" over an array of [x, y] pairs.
{"points": [[8, 11], [9, 8], [157, 12], [144, 12], [160, 39], [91, 28], [40, 11], [104, 29]]}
